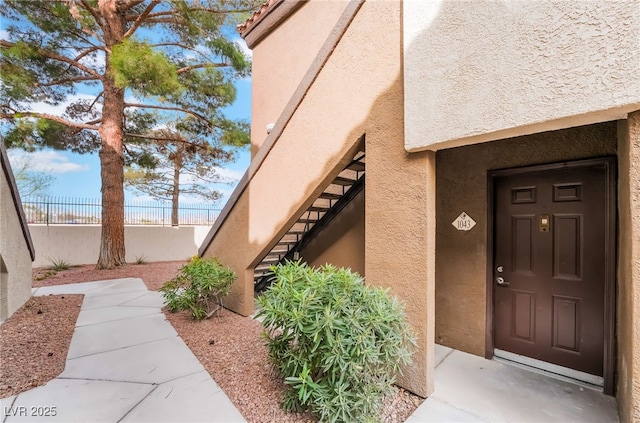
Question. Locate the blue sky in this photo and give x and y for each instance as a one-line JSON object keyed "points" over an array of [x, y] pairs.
{"points": [[78, 176]]}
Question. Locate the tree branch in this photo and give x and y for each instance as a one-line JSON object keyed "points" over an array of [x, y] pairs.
{"points": [[53, 56], [71, 79], [87, 51], [92, 11], [183, 46], [167, 139], [141, 18], [200, 66], [169, 108], [175, 13], [173, 20], [131, 4], [19, 115], [75, 13], [151, 137], [95, 100]]}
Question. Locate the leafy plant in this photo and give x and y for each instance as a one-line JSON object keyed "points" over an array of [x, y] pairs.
{"points": [[141, 259], [59, 264], [199, 287], [338, 343]]}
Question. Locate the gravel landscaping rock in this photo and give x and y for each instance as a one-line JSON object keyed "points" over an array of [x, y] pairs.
{"points": [[35, 341], [229, 346]]}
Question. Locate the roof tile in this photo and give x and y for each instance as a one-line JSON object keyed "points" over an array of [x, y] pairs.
{"points": [[256, 15]]}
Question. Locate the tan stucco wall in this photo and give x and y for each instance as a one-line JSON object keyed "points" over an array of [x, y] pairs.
{"points": [[487, 70], [365, 68], [461, 258], [628, 301], [400, 222], [281, 60], [15, 259], [79, 244], [341, 243]]}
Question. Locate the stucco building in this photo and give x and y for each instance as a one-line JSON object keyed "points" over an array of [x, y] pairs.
{"points": [[500, 144], [16, 247]]}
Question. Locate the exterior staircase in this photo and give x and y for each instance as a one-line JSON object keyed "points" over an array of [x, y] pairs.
{"points": [[343, 188]]}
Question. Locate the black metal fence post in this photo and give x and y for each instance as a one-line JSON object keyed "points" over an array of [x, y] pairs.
{"points": [[51, 211]]}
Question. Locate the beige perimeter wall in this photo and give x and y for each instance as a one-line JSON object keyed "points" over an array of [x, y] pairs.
{"points": [[79, 244], [15, 259]]}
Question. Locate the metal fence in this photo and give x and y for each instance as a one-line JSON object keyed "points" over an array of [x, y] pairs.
{"points": [[65, 210]]}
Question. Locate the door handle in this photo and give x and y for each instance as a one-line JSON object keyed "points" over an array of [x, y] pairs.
{"points": [[501, 282]]}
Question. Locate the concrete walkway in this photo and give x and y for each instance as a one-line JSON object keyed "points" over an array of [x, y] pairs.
{"points": [[469, 388], [126, 363]]}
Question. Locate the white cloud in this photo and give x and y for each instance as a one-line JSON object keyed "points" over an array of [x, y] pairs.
{"points": [[243, 46], [229, 175], [46, 161], [4, 35]]}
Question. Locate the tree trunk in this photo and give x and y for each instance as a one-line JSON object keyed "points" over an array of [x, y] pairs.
{"points": [[112, 250], [177, 165]]}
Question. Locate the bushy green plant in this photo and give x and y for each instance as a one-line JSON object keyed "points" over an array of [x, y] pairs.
{"points": [[338, 343], [199, 287]]}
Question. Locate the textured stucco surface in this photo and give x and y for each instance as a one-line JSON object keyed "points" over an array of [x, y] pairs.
{"points": [[461, 258], [341, 243], [628, 300], [79, 244], [318, 140], [15, 259], [479, 71], [400, 223], [281, 60]]}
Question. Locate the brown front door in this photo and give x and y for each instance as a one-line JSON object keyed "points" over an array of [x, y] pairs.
{"points": [[549, 270]]}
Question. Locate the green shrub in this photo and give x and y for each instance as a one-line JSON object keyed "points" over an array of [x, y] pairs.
{"points": [[199, 287], [59, 264], [336, 342]]}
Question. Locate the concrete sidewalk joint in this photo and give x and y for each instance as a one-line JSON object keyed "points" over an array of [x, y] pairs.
{"points": [[126, 363]]}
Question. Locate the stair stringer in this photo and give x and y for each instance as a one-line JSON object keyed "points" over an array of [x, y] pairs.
{"points": [[260, 216], [315, 219]]}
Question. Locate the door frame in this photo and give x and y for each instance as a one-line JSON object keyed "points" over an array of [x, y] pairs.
{"points": [[609, 164]]}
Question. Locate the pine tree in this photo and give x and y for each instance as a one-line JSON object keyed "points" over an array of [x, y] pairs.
{"points": [[180, 163], [149, 64]]}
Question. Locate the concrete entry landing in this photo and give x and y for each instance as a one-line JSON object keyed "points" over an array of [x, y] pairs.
{"points": [[125, 363], [469, 388]]}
